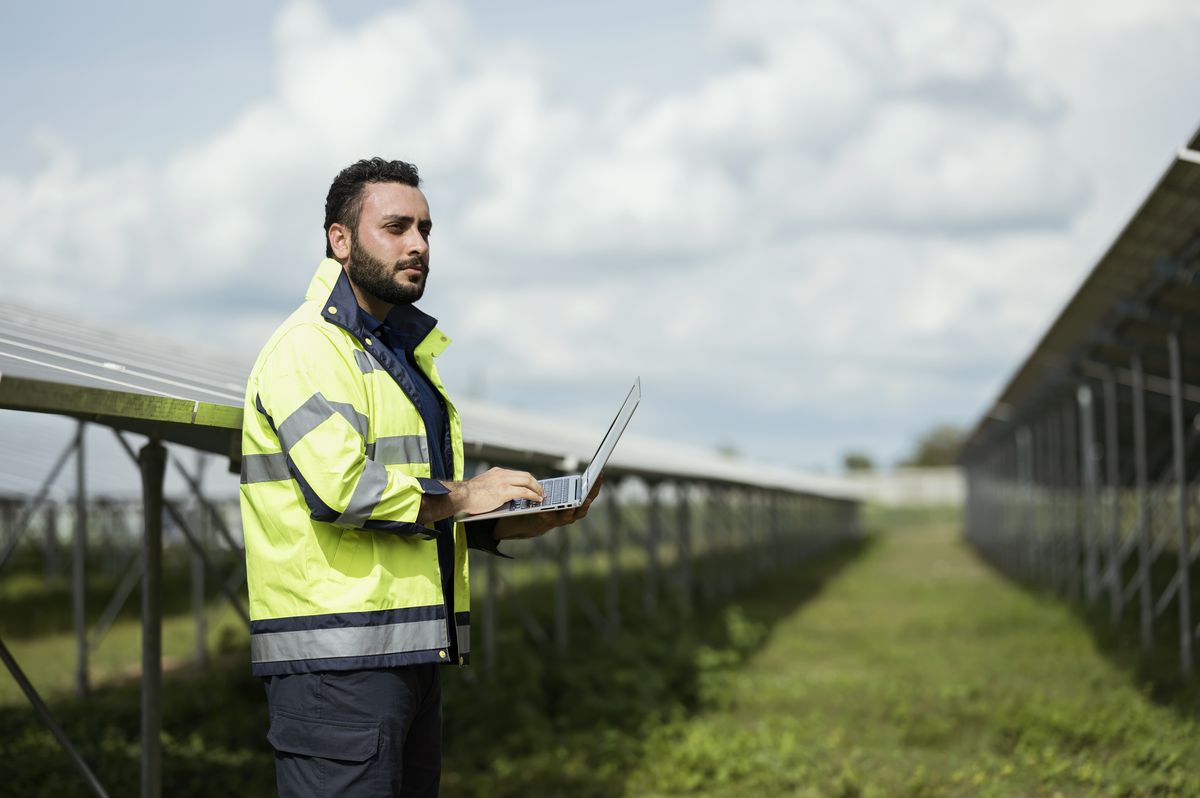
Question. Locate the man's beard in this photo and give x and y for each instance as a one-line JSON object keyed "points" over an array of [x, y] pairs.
{"points": [[378, 278]]}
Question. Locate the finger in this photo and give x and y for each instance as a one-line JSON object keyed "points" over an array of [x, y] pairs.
{"points": [[528, 494], [527, 480], [595, 491]]}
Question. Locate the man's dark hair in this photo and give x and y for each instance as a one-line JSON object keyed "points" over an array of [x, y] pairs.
{"points": [[343, 203]]}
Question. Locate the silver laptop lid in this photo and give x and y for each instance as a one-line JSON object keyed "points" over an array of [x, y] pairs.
{"points": [[614, 434]]}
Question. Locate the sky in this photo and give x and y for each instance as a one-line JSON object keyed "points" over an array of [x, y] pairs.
{"points": [[811, 227]]}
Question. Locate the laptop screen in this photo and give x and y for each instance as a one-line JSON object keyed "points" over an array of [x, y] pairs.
{"points": [[614, 434]]}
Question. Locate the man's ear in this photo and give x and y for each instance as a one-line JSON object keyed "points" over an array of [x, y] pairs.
{"points": [[339, 240]]}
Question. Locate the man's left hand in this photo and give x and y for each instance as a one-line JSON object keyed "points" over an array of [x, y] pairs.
{"points": [[534, 524]]}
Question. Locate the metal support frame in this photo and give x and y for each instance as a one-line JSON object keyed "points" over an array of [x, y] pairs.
{"points": [[1112, 468], [1027, 535], [47, 719], [79, 565], [31, 507], [614, 557], [1145, 605], [1091, 493], [1072, 539], [684, 521], [744, 533], [199, 567], [1187, 631], [652, 532], [153, 460], [1109, 500]]}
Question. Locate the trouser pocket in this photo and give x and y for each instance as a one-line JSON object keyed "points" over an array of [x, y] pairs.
{"points": [[326, 756]]}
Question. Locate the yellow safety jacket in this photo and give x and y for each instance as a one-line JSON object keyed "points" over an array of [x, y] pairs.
{"points": [[335, 460]]}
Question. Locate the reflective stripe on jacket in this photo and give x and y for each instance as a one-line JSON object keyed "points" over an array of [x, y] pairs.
{"points": [[341, 576]]}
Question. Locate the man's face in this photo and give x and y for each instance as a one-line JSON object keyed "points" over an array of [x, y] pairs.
{"points": [[389, 251]]}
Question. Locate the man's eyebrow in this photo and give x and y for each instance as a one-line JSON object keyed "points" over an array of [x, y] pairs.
{"points": [[394, 218]]}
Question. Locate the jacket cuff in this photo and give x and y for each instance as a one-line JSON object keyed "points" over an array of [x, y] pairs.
{"points": [[481, 535], [431, 487]]}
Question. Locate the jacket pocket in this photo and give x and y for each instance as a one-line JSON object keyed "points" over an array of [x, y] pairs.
{"points": [[323, 737]]}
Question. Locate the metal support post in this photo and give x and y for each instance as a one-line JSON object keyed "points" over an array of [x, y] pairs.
{"points": [[194, 541], [50, 553], [1186, 631], [153, 462], [1116, 590], [1058, 455], [50, 520], [199, 606], [562, 592], [614, 557], [1143, 506], [31, 507], [1025, 542], [1050, 495], [1072, 542], [1037, 489], [43, 713], [490, 588], [683, 518], [652, 529], [1091, 498], [712, 544], [79, 565]]}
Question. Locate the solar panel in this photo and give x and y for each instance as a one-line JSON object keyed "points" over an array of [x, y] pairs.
{"points": [[1164, 230], [148, 384]]}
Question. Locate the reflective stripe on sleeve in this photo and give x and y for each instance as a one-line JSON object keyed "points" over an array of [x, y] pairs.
{"points": [[367, 493], [312, 414], [357, 641], [399, 450], [265, 468], [464, 639], [365, 364]]}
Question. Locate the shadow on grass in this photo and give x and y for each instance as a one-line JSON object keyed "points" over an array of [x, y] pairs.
{"points": [[1155, 669], [544, 724]]}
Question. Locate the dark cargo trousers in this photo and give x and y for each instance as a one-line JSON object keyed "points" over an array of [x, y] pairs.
{"points": [[357, 733]]}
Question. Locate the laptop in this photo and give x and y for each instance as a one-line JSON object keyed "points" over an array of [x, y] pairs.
{"points": [[562, 493]]}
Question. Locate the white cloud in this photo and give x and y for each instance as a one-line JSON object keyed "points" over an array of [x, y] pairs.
{"points": [[863, 210]]}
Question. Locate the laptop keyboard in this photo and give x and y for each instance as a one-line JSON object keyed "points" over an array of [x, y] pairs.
{"points": [[557, 490]]}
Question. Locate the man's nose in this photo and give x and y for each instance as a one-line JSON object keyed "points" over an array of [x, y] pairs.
{"points": [[416, 244]]}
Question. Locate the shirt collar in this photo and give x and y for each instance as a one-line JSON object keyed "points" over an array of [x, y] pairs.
{"points": [[405, 327], [407, 322]]}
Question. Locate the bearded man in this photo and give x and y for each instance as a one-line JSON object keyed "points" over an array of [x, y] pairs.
{"points": [[352, 476]]}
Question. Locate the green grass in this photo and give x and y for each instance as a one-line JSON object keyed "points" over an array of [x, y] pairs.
{"points": [[919, 672], [903, 666], [49, 661]]}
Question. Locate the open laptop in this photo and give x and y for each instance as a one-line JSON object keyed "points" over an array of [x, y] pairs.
{"points": [[562, 493]]}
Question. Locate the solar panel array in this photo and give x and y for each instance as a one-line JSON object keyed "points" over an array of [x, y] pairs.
{"points": [[149, 384], [1147, 281]]}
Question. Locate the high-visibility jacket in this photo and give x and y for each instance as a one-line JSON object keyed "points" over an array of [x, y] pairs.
{"points": [[335, 460]]}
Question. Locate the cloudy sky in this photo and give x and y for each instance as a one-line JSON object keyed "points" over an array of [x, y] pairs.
{"points": [[810, 226]]}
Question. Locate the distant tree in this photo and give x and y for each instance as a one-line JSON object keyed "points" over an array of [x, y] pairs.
{"points": [[937, 447], [857, 461], [727, 451]]}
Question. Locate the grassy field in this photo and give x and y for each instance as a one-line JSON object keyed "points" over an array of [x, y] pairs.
{"points": [[919, 672], [901, 666]]}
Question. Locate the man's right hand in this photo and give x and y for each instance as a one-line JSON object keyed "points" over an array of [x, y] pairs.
{"points": [[480, 494]]}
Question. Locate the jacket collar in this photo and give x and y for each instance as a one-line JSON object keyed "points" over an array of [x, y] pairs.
{"points": [[331, 287]]}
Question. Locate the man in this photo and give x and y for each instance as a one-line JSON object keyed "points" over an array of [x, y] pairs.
{"points": [[352, 474]]}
